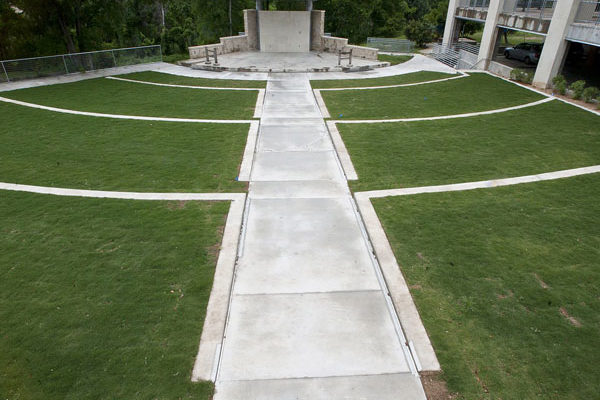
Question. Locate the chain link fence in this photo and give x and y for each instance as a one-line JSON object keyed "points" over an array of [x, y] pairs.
{"points": [[37, 67], [392, 45]]}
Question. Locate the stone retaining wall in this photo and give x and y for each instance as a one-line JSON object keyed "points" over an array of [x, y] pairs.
{"points": [[230, 44], [331, 44]]}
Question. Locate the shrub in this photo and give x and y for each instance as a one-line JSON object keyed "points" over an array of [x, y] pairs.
{"points": [[560, 84], [577, 87], [590, 94], [419, 32], [521, 75]]}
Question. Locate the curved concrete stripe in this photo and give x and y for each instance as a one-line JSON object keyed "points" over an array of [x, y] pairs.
{"points": [[462, 75], [474, 114], [119, 116], [179, 86], [121, 195], [567, 173]]}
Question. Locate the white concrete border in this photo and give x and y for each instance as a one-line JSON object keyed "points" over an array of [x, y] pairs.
{"points": [[321, 104], [179, 86], [120, 116], [260, 100], [473, 114], [567, 173], [462, 75], [413, 327], [101, 194], [342, 151], [209, 350], [248, 158]]}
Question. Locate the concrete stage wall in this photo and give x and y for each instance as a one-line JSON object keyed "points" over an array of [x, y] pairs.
{"points": [[284, 31]]}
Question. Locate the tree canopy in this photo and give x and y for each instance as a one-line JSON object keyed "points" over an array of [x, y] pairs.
{"points": [[31, 28]]}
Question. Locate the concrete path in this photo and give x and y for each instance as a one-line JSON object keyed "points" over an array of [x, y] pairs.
{"points": [[310, 317]]}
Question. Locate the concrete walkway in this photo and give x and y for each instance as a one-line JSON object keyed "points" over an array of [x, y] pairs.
{"points": [[309, 317]]}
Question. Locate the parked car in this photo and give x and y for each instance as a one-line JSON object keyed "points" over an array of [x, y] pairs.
{"points": [[527, 52]]}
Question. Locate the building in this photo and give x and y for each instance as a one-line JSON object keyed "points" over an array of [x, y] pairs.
{"points": [[571, 29]]}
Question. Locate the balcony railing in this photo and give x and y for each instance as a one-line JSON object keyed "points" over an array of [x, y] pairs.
{"points": [[588, 12], [539, 9], [483, 4]]}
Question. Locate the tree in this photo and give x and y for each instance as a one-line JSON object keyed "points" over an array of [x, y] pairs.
{"points": [[420, 32]]}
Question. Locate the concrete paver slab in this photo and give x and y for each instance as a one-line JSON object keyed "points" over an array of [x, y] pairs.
{"points": [[315, 245], [297, 190], [294, 166], [294, 138], [368, 387], [310, 335]]}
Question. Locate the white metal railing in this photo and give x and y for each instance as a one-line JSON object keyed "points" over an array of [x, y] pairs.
{"points": [[540, 9], [588, 12], [37, 67], [474, 4]]}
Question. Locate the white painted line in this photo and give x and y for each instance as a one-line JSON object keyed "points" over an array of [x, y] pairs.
{"points": [[209, 350], [321, 104], [260, 99], [119, 116], [567, 173], [467, 115], [248, 158], [342, 151], [121, 195], [462, 75], [413, 328], [178, 86]]}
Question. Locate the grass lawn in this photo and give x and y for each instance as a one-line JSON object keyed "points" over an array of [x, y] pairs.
{"points": [[394, 59], [158, 77], [478, 92], [507, 282], [514, 38], [104, 299], [548, 137], [413, 77], [117, 97], [53, 149]]}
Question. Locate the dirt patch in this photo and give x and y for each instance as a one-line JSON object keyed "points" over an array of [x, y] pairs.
{"points": [[543, 284], [213, 251], [505, 296], [420, 256], [435, 386], [589, 106], [176, 205], [481, 383], [415, 287], [572, 320]]}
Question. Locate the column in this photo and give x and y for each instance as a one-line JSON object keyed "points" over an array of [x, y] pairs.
{"points": [[451, 23], [555, 46], [490, 33]]}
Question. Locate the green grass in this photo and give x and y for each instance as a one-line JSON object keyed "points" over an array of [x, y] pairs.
{"points": [[514, 38], [53, 149], [544, 138], [474, 261], [478, 92], [103, 299], [414, 77], [394, 59], [158, 77], [117, 97]]}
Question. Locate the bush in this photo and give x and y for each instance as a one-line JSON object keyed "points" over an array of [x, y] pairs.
{"points": [[560, 84], [521, 75], [590, 94], [419, 32], [577, 87]]}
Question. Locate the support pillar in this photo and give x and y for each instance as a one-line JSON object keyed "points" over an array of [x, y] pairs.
{"points": [[309, 5], [555, 46], [259, 5], [451, 23], [490, 34]]}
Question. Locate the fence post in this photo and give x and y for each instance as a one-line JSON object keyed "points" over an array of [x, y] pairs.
{"points": [[65, 62], [216, 59], [5, 73], [114, 59], [160, 51]]}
